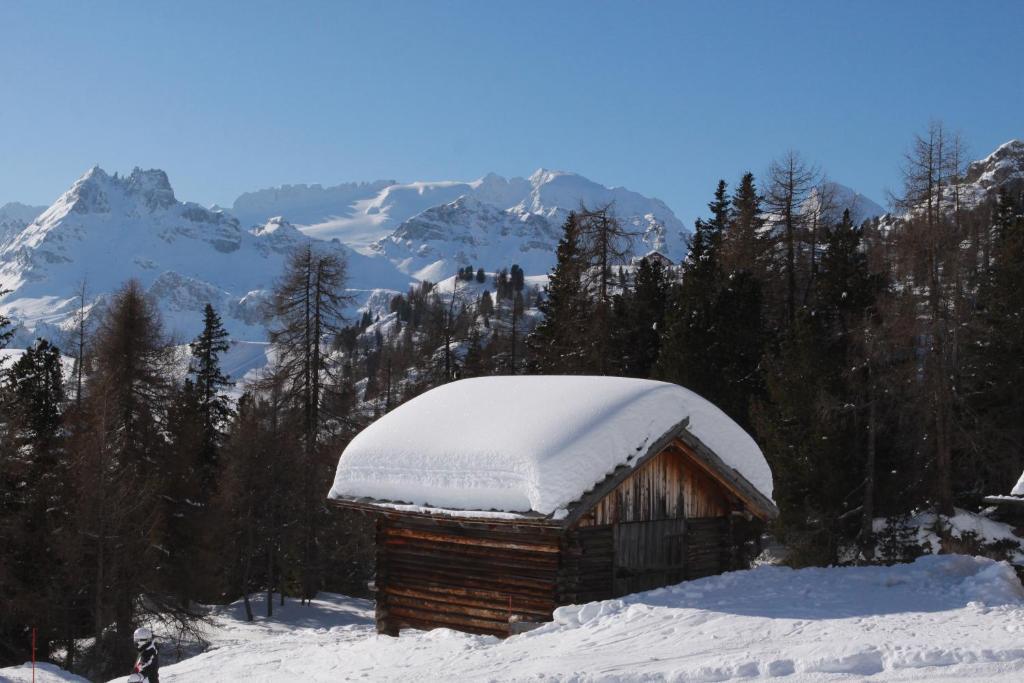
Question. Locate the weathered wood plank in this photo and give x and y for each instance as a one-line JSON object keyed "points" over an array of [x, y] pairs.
{"points": [[475, 541]]}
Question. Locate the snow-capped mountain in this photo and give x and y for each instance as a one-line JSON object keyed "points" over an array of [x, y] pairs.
{"points": [[435, 243], [842, 198], [14, 217], [371, 217], [1002, 168], [108, 228]]}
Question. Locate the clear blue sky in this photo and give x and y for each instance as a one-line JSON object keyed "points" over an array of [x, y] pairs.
{"points": [[663, 98]]}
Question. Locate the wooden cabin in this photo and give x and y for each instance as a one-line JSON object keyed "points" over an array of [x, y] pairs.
{"points": [[498, 499]]}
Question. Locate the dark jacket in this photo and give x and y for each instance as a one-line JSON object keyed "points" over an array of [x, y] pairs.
{"points": [[148, 663]]}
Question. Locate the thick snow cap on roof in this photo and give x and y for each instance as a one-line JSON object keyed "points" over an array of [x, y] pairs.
{"points": [[529, 443]]}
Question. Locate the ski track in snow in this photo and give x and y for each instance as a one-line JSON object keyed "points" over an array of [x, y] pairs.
{"points": [[949, 618]]}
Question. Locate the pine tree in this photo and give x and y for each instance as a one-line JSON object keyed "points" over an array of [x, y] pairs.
{"points": [[5, 324], [689, 331], [810, 418], [485, 307], [994, 362], [744, 247], [213, 406], [38, 573], [642, 319], [556, 344]]}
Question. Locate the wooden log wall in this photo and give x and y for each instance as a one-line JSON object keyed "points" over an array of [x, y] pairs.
{"points": [[587, 569], [709, 547], [470, 576]]}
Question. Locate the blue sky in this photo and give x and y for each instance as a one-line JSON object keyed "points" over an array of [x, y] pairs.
{"points": [[663, 98]]}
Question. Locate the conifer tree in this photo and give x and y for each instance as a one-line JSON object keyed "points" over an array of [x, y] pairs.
{"points": [[743, 246], [118, 445], [689, 326], [994, 362], [556, 344], [307, 313], [38, 576], [5, 324], [213, 406], [643, 318], [810, 418]]}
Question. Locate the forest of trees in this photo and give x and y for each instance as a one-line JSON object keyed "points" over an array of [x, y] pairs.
{"points": [[877, 365]]}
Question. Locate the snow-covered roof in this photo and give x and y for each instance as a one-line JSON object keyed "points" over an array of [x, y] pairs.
{"points": [[529, 443], [1018, 488]]}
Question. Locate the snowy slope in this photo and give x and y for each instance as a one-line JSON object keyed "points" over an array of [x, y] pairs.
{"points": [[946, 617], [388, 219], [841, 198], [467, 232], [108, 228], [14, 217], [1002, 168]]}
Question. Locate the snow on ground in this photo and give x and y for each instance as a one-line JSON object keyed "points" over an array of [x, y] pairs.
{"points": [[962, 526], [44, 673], [944, 617], [462, 445]]}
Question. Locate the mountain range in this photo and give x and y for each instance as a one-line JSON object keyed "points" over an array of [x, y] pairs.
{"points": [[107, 228]]}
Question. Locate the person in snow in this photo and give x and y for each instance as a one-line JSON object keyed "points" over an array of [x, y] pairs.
{"points": [[148, 663]]}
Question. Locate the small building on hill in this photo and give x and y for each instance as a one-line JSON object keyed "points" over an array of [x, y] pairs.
{"points": [[498, 499], [1010, 508], [654, 256]]}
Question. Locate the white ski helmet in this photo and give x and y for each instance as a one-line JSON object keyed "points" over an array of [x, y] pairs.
{"points": [[142, 636]]}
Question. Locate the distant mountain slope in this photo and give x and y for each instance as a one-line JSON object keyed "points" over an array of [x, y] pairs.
{"points": [[370, 220], [106, 229], [14, 216], [1003, 168]]}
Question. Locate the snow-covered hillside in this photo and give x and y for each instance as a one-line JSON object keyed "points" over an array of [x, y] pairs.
{"points": [[944, 617], [386, 218], [14, 217], [108, 228], [1002, 168], [839, 198]]}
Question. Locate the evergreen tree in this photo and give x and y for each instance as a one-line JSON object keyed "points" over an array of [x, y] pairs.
{"points": [[642, 319], [689, 331], [38, 574], [994, 362], [486, 307], [743, 246], [810, 418], [556, 344], [481, 276], [5, 324], [213, 406]]}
